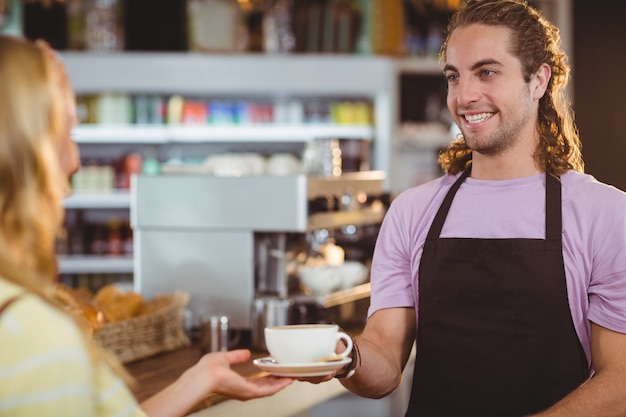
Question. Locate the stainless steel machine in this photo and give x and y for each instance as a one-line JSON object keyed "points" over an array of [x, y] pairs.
{"points": [[229, 241]]}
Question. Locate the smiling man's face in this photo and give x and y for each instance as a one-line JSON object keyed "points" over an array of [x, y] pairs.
{"points": [[490, 101]]}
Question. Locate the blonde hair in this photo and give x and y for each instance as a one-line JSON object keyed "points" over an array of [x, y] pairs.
{"points": [[32, 183]]}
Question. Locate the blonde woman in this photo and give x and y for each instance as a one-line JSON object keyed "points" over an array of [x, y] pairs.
{"points": [[48, 365]]}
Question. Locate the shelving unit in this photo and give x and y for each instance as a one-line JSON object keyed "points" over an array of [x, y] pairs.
{"points": [[373, 78], [418, 65], [150, 134], [279, 76], [275, 76], [118, 199], [94, 264], [97, 264]]}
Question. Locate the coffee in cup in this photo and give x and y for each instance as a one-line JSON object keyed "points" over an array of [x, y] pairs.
{"points": [[305, 343]]}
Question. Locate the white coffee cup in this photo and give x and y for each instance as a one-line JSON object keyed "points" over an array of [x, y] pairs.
{"points": [[304, 343]]}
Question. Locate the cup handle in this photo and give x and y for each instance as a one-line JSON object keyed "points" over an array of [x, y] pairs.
{"points": [[347, 340]]}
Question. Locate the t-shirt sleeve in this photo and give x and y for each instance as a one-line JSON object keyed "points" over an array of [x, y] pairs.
{"points": [[607, 287], [391, 276]]}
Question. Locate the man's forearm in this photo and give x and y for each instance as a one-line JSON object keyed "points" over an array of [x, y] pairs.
{"points": [[602, 396], [378, 374]]}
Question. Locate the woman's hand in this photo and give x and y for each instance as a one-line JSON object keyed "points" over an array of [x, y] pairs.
{"points": [[211, 375], [225, 381]]}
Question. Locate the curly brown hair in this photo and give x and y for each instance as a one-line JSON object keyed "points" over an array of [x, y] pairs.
{"points": [[535, 42]]}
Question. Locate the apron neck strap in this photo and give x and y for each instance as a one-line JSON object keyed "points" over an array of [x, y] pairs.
{"points": [[440, 217], [553, 207]]}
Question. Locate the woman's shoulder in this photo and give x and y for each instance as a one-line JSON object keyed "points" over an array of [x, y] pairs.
{"points": [[30, 319]]}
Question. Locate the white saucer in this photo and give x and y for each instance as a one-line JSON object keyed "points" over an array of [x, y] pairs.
{"points": [[296, 370]]}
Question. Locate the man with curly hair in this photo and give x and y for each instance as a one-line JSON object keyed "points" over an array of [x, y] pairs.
{"points": [[509, 271]]}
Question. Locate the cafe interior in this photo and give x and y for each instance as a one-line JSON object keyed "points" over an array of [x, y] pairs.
{"points": [[238, 157]]}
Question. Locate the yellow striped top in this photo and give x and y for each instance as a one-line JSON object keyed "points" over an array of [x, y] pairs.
{"points": [[45, 368]]}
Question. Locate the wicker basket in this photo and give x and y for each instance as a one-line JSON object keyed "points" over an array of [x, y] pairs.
{"points": [[149, 334]]}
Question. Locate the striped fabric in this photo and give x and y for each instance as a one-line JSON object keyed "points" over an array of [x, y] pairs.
{"points": [[45, 369]]}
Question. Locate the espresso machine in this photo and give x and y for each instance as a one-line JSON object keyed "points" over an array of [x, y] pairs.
{"points": [[230, 241]]}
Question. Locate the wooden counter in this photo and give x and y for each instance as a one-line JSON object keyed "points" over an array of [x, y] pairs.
{"points": [[156, 372]]}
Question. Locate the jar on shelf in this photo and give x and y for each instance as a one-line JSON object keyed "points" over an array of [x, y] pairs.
{"points": [[215, 26], [95, 25]]}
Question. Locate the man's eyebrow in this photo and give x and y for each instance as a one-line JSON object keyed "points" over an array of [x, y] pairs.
{"points": [[486, 62], [477, 65]]}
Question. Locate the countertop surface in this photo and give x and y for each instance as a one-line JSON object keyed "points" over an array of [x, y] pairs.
{"points": [[158, 371]]}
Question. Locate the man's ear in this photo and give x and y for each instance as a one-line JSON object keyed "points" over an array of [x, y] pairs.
{"points": [[540, 80]]}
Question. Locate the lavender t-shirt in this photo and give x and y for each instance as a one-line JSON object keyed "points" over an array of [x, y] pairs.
{"points": [[594, 239]]}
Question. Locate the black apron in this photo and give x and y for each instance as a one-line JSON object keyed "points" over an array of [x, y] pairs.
{"points": [[495, 336]]}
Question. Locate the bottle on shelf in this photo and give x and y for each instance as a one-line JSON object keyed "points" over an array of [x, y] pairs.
{"points": [[133, 164], [114, 239], [75, 227], [151, 164], [386, 25], [278, 33], [97, 241]]}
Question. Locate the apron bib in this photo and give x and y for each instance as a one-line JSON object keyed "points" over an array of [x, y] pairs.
{"points": [[495, 336]]}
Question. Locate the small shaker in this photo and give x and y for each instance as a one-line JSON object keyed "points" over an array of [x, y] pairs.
{"points": [[215, 334]]}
